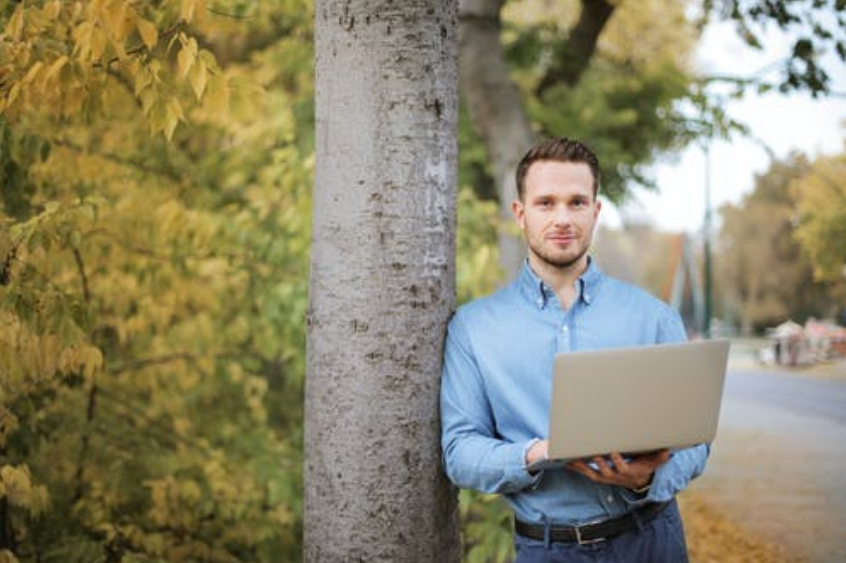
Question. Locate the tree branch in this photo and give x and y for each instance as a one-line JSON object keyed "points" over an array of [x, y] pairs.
{"points": [[572, 57], [81, 267]]}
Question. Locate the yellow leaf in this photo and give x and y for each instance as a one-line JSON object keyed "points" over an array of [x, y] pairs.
{"points": [[82, 39], [52, 9], [217, 97], [92, 360], [15, 27], [147, 97], [186, 58], [148, 32], [98, 43], [119, 50], [13, 93], [193, 10], [55, 67], [173, 115], [187, 10], [198, 77], [32, 72], [114, 16]]}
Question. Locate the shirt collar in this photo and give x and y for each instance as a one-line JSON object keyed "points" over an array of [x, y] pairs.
{"points": [[536, 291]]}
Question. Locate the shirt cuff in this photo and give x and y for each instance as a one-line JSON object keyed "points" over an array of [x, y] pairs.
{"points": [[536, 477]]}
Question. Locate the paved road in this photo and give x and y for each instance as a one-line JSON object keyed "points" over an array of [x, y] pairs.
{"points": [[778, 465]]}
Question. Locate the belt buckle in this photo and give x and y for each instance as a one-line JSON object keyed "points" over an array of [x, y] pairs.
{"points": [[578, 530]]}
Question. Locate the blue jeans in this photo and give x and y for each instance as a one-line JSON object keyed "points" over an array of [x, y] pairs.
{"points": [[659, 541]]}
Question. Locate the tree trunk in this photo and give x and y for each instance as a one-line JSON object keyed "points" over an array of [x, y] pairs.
{"points": [[496, 110], [382, 282]]}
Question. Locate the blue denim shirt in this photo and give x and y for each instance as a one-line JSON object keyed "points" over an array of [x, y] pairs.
{"points": [[496, 385]]}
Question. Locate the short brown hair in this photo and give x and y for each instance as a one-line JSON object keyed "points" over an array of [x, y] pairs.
{"points": [[560, 149]]}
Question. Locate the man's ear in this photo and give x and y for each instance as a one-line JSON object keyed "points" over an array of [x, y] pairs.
{"points": [[519, 212]]}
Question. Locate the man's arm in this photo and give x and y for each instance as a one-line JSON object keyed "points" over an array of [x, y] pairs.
{"points": [[475, 457]]}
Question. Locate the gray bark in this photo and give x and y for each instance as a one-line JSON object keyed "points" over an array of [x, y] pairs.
{"points": [[497, 111], [382, 282]]}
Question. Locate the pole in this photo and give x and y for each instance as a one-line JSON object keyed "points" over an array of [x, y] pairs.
{"points": [[707, 246]]}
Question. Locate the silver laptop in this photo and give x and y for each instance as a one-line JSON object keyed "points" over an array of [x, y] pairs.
{"points": [[637, 399]]}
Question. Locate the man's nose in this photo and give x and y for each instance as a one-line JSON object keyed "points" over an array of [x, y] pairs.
{"points": [[561, 215]]}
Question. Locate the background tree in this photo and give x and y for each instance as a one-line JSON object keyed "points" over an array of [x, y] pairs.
{"points": [[152, 292], [382, 282], [766, 276], [820, 196]]}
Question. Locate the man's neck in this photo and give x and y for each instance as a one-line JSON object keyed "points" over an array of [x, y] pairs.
{"points": [[562, 280]]}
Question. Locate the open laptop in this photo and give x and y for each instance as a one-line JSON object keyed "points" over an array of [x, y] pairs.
{"points": [[637, 399]]}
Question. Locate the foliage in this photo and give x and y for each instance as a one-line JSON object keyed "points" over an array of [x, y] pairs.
{"points": [[486, 529], [813, 26], [65, 58], [151, 287], [477, 264], [629, 102], [760, 265], [821, 205], [155, 164]]}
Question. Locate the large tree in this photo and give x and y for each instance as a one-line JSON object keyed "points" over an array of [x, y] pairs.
{"points": [[382, 281]]}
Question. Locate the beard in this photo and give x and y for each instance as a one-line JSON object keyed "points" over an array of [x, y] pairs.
{"points": [[559, 260]]}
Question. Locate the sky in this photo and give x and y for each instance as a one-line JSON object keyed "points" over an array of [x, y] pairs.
{"points": [[785, 123]]}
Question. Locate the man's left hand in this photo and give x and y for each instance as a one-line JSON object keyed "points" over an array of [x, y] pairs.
{"points": [[632, 472]]}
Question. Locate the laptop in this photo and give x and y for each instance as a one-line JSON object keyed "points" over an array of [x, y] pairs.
{"points": [[637, 399]]}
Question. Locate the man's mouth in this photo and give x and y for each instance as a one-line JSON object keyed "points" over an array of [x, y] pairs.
{"points": [[561, 238]]}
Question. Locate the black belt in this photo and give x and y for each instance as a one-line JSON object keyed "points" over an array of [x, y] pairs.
{"points": [[593, 532]]}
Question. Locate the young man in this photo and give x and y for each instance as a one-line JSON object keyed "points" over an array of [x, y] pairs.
{"points": [[498, 368]]}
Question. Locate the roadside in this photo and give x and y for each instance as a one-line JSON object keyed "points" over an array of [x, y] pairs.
{"points": [[745, 354], [713, 538], [717, 535]]}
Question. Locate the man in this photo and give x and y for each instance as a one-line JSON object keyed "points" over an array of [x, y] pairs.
{"points": [[497, 375]]}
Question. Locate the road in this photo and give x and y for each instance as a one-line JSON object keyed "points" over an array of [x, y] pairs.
{"points": [[778, 465]]}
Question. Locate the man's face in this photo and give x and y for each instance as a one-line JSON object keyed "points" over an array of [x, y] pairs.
{"points": [[558, 213]]}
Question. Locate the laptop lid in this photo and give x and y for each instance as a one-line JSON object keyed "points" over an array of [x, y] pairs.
{"points": [[636, 399]]}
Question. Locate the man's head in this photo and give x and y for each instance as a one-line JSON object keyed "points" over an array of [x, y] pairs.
{"points": [[558, 149], [557, 207]]}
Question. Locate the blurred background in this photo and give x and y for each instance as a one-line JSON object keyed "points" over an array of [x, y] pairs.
{"points": [[156, 167]]}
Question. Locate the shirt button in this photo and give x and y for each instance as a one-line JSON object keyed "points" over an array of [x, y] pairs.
{"points": [[564, 328], [609, 498]]}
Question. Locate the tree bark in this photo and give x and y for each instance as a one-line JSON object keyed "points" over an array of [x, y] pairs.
{"points": [[573, 55], [496, 109], [382, 282]]}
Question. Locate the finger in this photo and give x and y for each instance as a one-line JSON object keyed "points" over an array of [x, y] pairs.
{"points": [[620, 464], [603, 467], [583, 468]]}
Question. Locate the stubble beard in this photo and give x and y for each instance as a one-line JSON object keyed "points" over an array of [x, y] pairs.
{"points": [[558, 263]]}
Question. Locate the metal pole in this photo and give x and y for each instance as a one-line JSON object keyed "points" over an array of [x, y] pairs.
{"points": [[707, 245]]}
